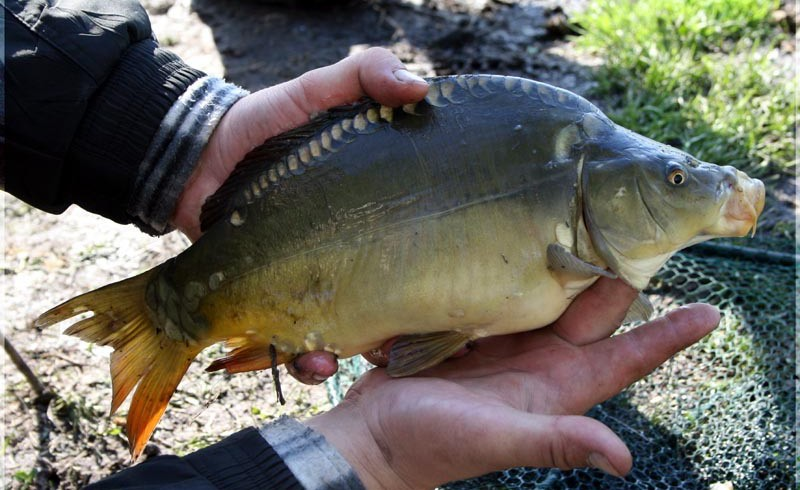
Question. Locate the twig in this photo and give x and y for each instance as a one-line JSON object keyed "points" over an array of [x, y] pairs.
{"points": [[38, 386], [276, 378], [66, 359]]}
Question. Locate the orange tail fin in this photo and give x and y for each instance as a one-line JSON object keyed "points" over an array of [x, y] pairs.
{"points": [[142, 354]]}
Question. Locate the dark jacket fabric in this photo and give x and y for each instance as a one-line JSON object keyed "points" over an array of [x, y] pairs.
{"points": [[86, 88], [243, 461]]}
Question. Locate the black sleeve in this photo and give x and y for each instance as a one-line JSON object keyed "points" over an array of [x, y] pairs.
{"points": [[86, 88], [242, 461]]}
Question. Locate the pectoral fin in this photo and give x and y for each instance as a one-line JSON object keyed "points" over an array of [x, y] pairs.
{"points": [[640, 310], [413, 353], [561, 259]]}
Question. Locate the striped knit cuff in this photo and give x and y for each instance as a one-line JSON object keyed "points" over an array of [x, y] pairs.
{"points": [[313, 461], [175, 149]]}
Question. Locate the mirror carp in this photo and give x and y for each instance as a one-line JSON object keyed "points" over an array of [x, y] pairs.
{"points": [[482, 210]]}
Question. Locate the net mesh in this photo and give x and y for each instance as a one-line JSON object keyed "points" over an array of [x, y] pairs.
{"points": [[722, 410]]}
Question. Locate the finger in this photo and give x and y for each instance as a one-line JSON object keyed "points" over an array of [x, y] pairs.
{"points": [[375, 72], [313, 368], [568, 442], [377, 357], [617, 362], [380, 355], [515, 438], [596, 313]]}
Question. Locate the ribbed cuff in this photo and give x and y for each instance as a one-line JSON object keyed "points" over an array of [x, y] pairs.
{"points": [[316, 464], [121, 120], [175, 150]]}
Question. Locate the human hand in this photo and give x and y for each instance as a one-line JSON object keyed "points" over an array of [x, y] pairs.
{"points": [[375, 72], [513, 400]]}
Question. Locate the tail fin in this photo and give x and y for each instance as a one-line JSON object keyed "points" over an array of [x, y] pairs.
{"points": [[142, 354]]}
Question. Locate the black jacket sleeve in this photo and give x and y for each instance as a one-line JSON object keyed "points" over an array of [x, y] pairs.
{"points": [[243, 461], [86, 90]]}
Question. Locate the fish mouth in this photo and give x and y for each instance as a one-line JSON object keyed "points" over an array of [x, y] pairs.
{"points": [[739, 215]]}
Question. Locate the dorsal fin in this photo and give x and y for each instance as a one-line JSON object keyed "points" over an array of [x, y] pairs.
{"points": [[230, 196]]}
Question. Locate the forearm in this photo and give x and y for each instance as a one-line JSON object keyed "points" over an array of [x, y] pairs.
{"points": [[282, 455], [310, 455], [108, 121], [241, 461], [350, 435], [175, 149]]}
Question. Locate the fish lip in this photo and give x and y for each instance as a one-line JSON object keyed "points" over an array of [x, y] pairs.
{"points": [[739, 215]]}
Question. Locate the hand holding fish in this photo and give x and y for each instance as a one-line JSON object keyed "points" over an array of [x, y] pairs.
{"points": [[373, 222], [514, 400], [375, 72]]}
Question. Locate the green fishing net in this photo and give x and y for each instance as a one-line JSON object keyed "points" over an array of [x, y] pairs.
{"points": [[721, 411]]}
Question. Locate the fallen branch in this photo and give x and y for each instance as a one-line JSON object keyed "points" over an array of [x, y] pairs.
{"points": [[38, 386]]}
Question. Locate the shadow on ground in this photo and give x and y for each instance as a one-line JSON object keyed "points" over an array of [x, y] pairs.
{"points": [[262, 43]]}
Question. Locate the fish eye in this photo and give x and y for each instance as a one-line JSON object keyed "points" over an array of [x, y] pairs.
{"points": [[677, 176]]}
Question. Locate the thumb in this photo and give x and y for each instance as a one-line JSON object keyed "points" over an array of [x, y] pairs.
{"points": [[375, 72], [312, 368], [545, 441]]}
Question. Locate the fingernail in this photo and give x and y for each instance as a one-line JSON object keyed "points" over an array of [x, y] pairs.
{"points": [[319, 377], [597, 460], [408, 77]]}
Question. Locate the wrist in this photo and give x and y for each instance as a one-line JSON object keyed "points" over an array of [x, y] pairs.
{"points": [[174, 151], [345, 428], [311, 458], [226, 147], [200, 186]]}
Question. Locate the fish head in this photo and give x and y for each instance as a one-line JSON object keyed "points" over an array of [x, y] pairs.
{"points": [[644, 201]]}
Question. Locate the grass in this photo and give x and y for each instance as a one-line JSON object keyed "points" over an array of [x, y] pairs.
{"points": [[25, 478], [701, 75]]}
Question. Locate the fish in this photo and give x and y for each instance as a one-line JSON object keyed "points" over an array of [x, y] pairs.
{"points": [[482, 210]]}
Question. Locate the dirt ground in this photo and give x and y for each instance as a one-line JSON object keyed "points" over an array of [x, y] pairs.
{"points": [[65, 438]]}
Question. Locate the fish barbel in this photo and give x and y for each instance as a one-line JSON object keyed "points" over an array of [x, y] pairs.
{"points": [[482, 210]]}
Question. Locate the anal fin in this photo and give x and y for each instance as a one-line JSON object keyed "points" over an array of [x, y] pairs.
{"points": [[413, 353], [561, 259], [252, 356], [249, 356]]}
